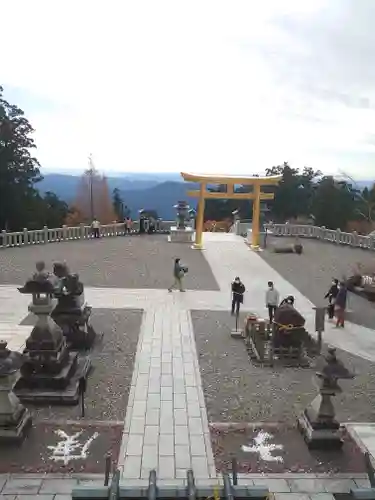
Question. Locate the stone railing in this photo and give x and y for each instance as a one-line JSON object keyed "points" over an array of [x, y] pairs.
{"points": [[321, 233], [66, 233]]}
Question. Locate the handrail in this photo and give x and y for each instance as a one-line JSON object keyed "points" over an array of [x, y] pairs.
{"points": [[68, 233], [322, 233]]}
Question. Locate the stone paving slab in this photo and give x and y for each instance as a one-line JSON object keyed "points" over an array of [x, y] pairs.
{"points": [[63, 447], [166, 424], [313, 486]]}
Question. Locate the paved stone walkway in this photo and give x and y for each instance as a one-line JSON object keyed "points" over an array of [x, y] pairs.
{"points": [[166, 422]]}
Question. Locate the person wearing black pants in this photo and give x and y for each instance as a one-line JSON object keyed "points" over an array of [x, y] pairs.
{"points": [[272, 300], [331, 296], [238, 289]]}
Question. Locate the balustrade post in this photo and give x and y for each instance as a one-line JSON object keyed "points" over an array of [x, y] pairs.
{"points": [[338, 236], [354, 239], [4, 238], [25, 236], [45, 234], [323, 230], [82, 231], [64, 232]]}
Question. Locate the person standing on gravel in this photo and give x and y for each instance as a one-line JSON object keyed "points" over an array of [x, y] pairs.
{"points": [[178, 275], [272, 300]]}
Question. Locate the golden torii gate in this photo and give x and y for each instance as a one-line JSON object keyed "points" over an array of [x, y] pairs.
{"points": [[230, 181]]}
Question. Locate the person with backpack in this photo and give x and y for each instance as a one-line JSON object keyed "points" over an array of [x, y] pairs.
{"points": [[179, 272], [238, 289]]}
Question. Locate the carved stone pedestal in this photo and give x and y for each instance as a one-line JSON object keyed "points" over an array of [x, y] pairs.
{"points": [[318, 424], [50, 374], [15, 419], [181, 235]]}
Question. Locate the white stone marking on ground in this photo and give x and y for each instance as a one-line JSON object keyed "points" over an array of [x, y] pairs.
{"points": [[263, 448], [66, 450]]}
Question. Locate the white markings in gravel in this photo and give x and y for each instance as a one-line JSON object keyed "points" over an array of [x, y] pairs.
{"points": [[264, 448]]}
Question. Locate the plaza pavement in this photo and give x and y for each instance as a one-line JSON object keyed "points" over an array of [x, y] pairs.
{"points": [[166, 423]]}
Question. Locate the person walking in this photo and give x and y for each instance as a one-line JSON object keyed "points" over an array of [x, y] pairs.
{"points": [[179, 272], [272, 300], [340, 305], [331, 296], [96, 227], [238, 289]]}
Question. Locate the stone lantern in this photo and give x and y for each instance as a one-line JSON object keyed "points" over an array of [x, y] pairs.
{"points": [[15, 419], [318, 422], [182, 209], [181, 233]]}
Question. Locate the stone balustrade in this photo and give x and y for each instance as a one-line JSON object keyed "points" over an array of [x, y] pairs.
{"points": [[322, 233], [66, 233]]}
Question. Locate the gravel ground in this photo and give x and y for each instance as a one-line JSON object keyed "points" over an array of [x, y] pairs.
{"points": [[122, 262], [311, 272], [113, 358], [238, 391]]}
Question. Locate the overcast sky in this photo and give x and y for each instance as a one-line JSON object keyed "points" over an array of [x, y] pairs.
{"points": [[198, 85]]}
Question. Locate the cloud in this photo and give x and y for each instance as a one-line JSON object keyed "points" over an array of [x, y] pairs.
{"points": [[203, 86]]}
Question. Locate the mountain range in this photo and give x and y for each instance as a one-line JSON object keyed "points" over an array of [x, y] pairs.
{"points": [[158, 191]]}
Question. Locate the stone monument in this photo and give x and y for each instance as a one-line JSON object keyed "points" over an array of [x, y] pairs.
{"points": [[71, 313], [15, 419], [318, 423], [181, 233], [49, 372]]}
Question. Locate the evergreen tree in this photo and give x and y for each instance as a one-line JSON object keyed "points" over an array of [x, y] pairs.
{"points": [[19, 170]]}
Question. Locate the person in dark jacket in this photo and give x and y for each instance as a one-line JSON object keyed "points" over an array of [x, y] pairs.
{"points": [[238, 289], [178, 275], [331, 296], [340, 305]]}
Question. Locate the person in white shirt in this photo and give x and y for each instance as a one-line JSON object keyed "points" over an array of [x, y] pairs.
{"points": [[96, 228], [272, 300]]}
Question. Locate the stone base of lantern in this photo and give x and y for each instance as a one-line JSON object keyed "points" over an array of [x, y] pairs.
{"points": [[59, 389], [320, 436], [15, 430], [181, 235]]}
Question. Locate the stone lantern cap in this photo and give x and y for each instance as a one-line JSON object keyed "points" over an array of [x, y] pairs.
{"points": [[333, 371], [10, 361], [181, 205]]}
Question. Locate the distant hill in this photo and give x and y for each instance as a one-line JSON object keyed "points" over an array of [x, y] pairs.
{"points": [[151, 191], [137, 193]]}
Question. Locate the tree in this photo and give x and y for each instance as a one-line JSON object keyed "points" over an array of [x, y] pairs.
{"points": [[19, 170], [74, 216], [118, 204], [365, 200], [334, 203], [93, 199], [294, 193]]}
